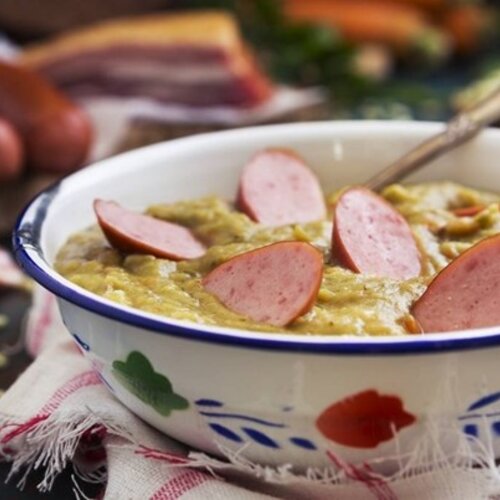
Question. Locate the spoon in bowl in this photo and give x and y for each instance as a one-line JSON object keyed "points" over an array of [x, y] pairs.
{"points": [[459, 129]]}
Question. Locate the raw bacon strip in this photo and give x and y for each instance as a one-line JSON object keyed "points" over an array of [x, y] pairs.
{"points": [[10, 275], [371, 237], [137, 233], [466, 293], [196, 59], [274, 284], [278, 188]]}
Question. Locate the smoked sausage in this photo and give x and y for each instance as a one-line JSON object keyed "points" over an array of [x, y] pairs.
{"points": [[278, 188], [465, 294], [11, 152], [274, 284], [131, 232], [371, 237], [56, 133]]}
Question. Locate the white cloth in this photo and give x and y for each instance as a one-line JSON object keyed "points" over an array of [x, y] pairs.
{"points": [[59, 411]]}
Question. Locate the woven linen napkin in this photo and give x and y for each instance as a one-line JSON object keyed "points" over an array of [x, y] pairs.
{"points": [[59, 412]]}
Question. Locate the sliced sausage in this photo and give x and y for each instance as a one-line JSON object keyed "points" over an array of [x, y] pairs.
{"points": [[371, 237], [466, 293], [131, 232], [274, 284], [278, 188], [11, 152], [56, 133]]}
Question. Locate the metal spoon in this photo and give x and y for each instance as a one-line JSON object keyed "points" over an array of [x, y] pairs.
{"points": [[458, 130]]}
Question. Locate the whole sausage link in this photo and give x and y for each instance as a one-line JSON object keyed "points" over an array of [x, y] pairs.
{"points": [[56, 133]]}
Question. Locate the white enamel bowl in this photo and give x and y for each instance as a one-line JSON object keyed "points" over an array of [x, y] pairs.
{"points": [[284, 398]]}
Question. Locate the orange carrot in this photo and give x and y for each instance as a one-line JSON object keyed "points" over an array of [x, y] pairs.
{"points": [[402, 27], [434, 5], [468, 211], [428, 4], [469, 26]]}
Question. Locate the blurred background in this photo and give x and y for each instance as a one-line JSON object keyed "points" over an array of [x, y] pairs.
{"points": [[102, 77], [150, 70], [364, 52]]}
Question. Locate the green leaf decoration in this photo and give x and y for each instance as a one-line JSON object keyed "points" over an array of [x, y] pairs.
{"points": [[137, 375]]}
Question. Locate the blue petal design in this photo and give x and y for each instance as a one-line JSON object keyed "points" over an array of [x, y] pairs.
{"points": [[485, 401], [260, 437], [496, 428], [241, 417], [303, 443], [81, 343], [225, 432], [209, 402], [471, 430]]}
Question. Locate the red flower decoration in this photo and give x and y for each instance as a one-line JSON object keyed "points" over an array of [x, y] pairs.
{"points": [[364, 420]]}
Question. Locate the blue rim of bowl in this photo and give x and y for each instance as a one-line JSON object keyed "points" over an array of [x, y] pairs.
{"points": [[25, 239]]}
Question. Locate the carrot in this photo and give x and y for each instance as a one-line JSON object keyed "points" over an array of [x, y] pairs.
{"points": [[401, 27], [426, 4], [468, 211], [434, 5], [469, 26]]}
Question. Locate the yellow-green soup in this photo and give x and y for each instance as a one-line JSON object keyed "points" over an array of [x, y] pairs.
{"points": [[347, 303]]}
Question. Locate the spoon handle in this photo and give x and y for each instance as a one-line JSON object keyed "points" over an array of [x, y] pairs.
{"points": [[458, 130]]}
